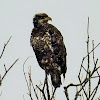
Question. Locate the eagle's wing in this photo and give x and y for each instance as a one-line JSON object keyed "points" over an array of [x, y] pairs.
{"points": [[58, 48]]}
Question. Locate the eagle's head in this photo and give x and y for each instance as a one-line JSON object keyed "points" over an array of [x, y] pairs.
{"points": [[40, 19]]}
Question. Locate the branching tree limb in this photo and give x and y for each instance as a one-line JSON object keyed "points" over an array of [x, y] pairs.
{"points": [[6, 70], [45, 90], [29, 83], [81, 87]]}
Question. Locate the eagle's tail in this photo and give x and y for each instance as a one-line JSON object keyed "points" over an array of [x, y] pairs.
{"points": [[56, 79]]}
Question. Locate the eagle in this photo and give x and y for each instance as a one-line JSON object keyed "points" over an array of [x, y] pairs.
{"points": [[48, 45]]}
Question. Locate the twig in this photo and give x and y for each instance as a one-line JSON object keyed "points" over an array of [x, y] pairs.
{"points": [[88, 77], [66, 93], [5, 68], [25, 73], [30, 80], [95, 90], [85, 58], [92, 50], [42, 92], [9, 69], [53, 94], [48, 93], [71, 84], [0, 79], [88, 68], [6, 71], [83, 87], [34, 90], [4, 47]]}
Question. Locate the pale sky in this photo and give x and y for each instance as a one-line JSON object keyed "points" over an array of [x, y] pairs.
{"points": [[69, 16]]}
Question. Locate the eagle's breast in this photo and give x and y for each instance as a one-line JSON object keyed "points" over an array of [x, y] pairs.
{"points": [[43, 49]]}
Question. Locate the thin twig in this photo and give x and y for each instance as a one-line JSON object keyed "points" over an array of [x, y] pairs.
{"points": [[83, 88], [5, 68], [29, 74], [95, 90], [89, 75], [4, 47], [30, 93], [34, 90], [92, 50], [88, 68], [86, 57], [41, 90], [53, 94], [66, 93], [9, 69], [0, 80], [48, 93]]}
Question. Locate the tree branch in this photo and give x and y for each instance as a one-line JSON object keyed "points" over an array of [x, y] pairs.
{"points": [[42, 92], [5, 47], [9, 69]]}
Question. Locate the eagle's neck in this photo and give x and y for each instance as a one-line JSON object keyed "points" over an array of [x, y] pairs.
{"points": [[39, 25]]}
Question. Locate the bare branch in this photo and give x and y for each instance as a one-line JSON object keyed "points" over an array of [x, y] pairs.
{"points": [[41, 90], [25, 73], [0, 79], [92, 50], [6, 71], [88, 68], [34, 90], [4, 47], [95, 90], [46, 82], [30, 93], [66, 93], [81, 87], [29, 83], [9, 69], [53, 94], [5, 68]]}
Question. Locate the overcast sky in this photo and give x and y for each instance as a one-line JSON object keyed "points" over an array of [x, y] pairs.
{"points": [[69, 16]]}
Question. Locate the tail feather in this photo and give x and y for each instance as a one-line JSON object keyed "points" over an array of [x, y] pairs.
{"points": [[56, 79]]}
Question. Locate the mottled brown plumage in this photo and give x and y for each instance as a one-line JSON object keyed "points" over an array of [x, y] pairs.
{"points": [[49, 48]]}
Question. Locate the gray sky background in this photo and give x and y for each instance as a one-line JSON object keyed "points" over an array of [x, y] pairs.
{"points": [[69, 16]]}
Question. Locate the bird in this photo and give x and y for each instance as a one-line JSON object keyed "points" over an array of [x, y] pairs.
{"points": [[48, 45]]}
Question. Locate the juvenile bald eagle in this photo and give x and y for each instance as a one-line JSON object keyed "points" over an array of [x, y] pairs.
{"points": [[49, 48]]}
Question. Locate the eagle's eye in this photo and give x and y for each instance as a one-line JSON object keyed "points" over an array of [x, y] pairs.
{"points": [[41, 17]]}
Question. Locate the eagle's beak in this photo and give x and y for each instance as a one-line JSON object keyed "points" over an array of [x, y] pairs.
{"points": [[48, 18]]}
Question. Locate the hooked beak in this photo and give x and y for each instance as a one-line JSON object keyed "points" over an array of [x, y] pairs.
{"points": [[48, 18]]}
